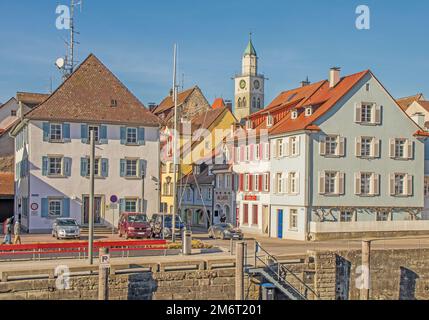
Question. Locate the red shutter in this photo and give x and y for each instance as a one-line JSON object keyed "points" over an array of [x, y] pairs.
{"points": [[245, 214], [261, 151], [250, 182], [241, 186], [261, 181]]}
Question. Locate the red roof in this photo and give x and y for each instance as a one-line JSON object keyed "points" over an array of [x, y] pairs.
{"points": [[7, 185], [218, 103], [318, 95]]}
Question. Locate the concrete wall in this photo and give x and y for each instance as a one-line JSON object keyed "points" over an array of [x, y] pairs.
{"points": [[186, 285]]}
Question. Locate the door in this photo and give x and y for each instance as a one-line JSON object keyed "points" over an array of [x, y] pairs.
{"points": [[98, 207], [280, 224], [265, 220]]}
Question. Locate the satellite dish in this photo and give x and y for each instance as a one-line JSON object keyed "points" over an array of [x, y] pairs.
{"points": [[60, 63]]}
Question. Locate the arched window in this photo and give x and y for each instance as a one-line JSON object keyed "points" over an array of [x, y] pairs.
{"points": [[239, 102], [244, 103], [259, 103], [254, 103]]}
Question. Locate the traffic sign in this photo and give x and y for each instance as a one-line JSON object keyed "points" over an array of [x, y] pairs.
{"points": [[105, 260], [34, 206], [114, 199]]}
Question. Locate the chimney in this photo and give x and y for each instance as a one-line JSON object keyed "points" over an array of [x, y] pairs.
{"points": [[152, 106], [228, 104], [334, 76], [171, 92], [305, 83], [419, 118]]}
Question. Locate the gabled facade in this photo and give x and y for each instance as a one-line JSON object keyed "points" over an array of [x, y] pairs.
{"points": [[52, 152], [339, 168]]}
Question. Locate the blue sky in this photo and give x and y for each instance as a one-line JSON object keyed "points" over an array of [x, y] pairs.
{"points": [[293, 38]]}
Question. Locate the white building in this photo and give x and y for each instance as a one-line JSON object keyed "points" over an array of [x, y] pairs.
{"points": [[52, 152], [345, 162]]}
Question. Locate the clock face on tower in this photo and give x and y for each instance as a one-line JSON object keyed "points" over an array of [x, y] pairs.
{"points": [[257, 84], [242, 84]]}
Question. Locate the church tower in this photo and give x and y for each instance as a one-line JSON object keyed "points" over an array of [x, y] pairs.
{"points": [[249, 85]]}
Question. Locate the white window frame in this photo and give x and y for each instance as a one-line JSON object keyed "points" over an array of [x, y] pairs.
{"points": [[294, 114], [97, 167], [346, 217], [257, 152], [57, 201], [228, 181], [61, 158], [256, 182], [308, 111], [130, 162], [56, 127], [128, 202], [130, 133], [293, 187], [97, 134], [332, 175], [280, 185], [266, 182], [267, 151], [370, 177], [293, 219], [247, 182], [280, 148], [270, 121]]}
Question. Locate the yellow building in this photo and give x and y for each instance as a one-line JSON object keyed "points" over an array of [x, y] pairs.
{"points": [[198, 138]]}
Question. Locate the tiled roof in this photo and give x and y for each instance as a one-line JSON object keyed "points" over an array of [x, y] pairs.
{"points": [[168, 102], [319, 95], [31, 99], [7, 186], [404, 103], [218, 103], [424, 104], [203, 178], [87, 95]]}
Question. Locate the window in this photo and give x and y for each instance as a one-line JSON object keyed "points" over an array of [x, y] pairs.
{"points": [[228, 181], [97, 166], [255, 215], [56, 133], [293, 219], [132, 136], [294, 114], [245, 214], [96, 130], [55, 207], [237, 154], [220, 181], [254, 103], [400, 184], [293, 183], [366, 113], [189, 194], [280, 183], [55, 166], [131, 168], [239, 103], [280, 148], [270, 121], [426, 187], [331, 143], [13, 113], [266, 182], [247, 182], [365, 183], [256, 182], [308, 111], [366, 147], [330, 179], [267, 151], [346, 216], [247, 153], [163, 168], [383, 216], [208, 193], [294, 146], [259, 103], [257, 152], [131, 205]]}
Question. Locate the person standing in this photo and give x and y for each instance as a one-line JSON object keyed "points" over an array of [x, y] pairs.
{"points": [[8, 232], [17, 233]]}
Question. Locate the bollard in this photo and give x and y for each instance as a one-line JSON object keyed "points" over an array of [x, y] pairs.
{"points": [[366, 270], [103, 275], [239, 271], [187, 243]]}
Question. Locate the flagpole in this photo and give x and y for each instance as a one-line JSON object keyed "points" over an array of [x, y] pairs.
{"points": [[175, 145]]}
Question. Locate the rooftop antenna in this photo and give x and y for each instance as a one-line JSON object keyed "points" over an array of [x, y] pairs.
{"points": [[183, 82], [68, 63]]}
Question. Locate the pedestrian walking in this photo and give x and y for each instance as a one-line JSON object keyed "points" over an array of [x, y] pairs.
{"points": [[17, 233], [8, 232]]}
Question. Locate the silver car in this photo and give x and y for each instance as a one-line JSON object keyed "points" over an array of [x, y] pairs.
{"points": [[65, 228], [225, 231]]}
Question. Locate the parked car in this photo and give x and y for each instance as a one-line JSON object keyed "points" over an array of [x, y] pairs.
{"points": [[161, 228], [134, 225], [65, 228], [225, 231]]}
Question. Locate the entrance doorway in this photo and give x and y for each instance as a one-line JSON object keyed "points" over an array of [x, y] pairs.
{"points": [[265, 220], [98, 209], [280, 224]]}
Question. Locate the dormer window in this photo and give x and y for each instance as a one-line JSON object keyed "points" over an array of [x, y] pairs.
{"points": [[308, 111], [270, 121], [249, 125], [113, 103], [294, 114]]}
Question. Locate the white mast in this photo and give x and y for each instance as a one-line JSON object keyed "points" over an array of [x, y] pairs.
{"points": [[175, 148]]}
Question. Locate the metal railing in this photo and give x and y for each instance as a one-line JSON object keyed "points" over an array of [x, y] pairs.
{"points": [[281, 272]]}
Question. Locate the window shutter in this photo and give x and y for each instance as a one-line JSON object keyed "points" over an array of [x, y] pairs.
{"points": [[84, 133], [121, 205], [103, 134], [66, 208], [123, 135], [252, 152], [261, 151], [250, 182], [66, 132], [376, 148], [392, 148], [297, 182], [392, 184], [275, 149], [377, 115], [242, 153], [142, 136], [357, 183], [261, 181], [322, 146], [45, 209], [358, 147], [410, 149], [123, 167], [104, 168], [84, 167], [341, 183], [241, 183], [358, 113], [286, 148], [321, 182], [341, 146], [375, 184], [46, 129], [67, 167], [409, 190], [44, 166]]}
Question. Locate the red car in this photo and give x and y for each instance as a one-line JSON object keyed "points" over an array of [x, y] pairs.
{"points": [[134, 225]]}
